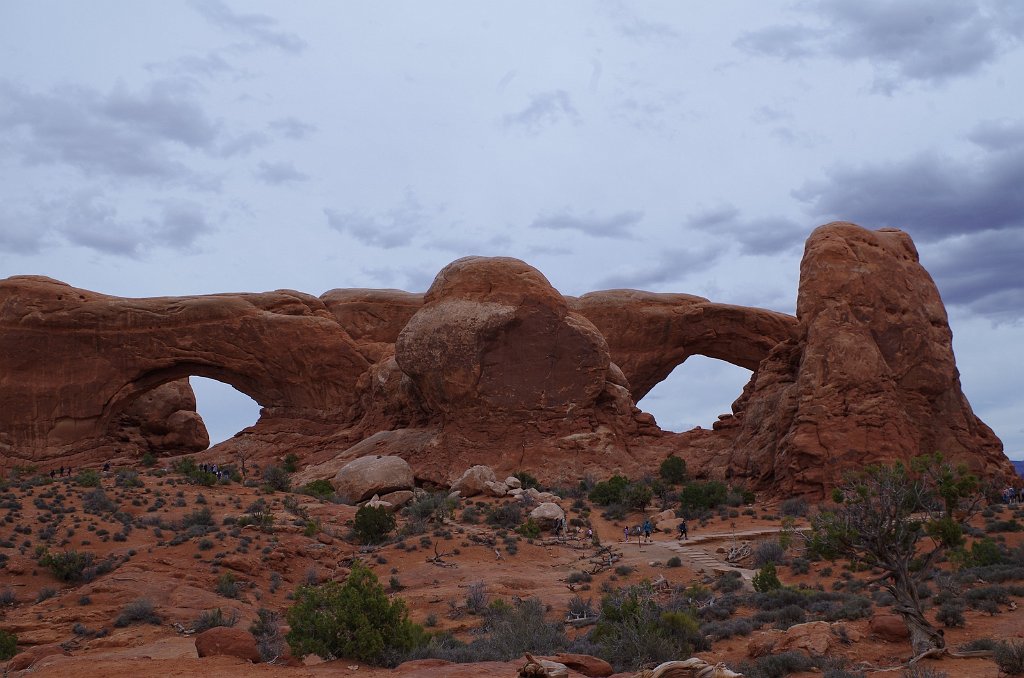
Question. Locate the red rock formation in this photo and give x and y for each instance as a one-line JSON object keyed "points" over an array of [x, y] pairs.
{"points": [[163, 422], [493, 366], [650, 334], [870, 378], [71, 361]]}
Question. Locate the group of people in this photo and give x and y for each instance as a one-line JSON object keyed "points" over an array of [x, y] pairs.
{"points": [[1013, 495], [644, 531], [214, 469], [55, 472]]}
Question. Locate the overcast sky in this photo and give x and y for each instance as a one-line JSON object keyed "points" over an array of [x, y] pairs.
{"points": [[169, 148]]}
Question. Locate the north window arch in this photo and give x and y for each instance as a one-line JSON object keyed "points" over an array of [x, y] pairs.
{"points": [[694, 393]]}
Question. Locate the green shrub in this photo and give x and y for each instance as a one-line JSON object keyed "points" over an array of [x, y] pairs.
{"points": [[352, 620], [276, 479], [674, 561], [8, 645], [148, 460], [227, 586], [372, 525], [1009, 656], [436, 507], [505, 515], [702, 495], [526, 479], [291, 462], [127, 478], [530, 529], [187, 467], [609, 491], [140, 610], [88, 478], [766, 579], [209, 619], [634, 630], [673, 470], [67, 566], [321, 489], [794, 507]]}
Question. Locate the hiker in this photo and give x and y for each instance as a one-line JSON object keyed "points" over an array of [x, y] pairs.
{"points": [[625, 534], [647, 530], [62, 470], [683, 533]]}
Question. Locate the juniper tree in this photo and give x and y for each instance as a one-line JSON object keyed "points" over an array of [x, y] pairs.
{"points": [[901, 520]]}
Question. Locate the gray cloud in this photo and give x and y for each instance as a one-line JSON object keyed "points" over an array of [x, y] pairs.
{"points": [[614, 226], [260, 28], [292, 128], [928, 41], [930, 196], [124, 134], [277, 173], [981, 271], [395, 227], [89, 219], [544, 109], [998, 135], [969, 215], [670, 267], [764, 235]]}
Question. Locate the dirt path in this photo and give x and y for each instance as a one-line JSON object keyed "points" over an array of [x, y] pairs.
{"points": [[698, 552]]}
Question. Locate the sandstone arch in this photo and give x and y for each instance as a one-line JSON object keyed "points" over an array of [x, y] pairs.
{"points": [[71, 360], [649, 334]]}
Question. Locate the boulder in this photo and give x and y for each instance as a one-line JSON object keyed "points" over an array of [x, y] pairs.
{"points": [[362, 478], [496, 489], [399, 498], [547, 515], [814, 639], [227, 641], [29, 657], [513, 483], [474, 481], [889, 627]]}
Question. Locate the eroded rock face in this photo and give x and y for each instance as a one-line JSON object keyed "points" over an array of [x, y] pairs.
{"points": [[869, 378], [163, 422], [72, 361], [493, 366]]}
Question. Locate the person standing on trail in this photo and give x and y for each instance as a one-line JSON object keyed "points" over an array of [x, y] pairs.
{"points": [[683, 533], [647, 530]]}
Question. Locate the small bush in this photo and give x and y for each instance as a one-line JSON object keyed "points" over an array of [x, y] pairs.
{"points": [[68, 566], [526, 479], [476, 598], [776, 666], [769, 552], [505, 515], [372, 525], [354, 619], [766, 579], [200, 516], [8, 645], [702, 495], [127, 478], [321, 489], [530, 529], [267, 632], [276, 479], [674, 561], [141, 610], [673, 470], [227, 586], [1009, 657], [212, 618], [88, 478], [795, 507]]}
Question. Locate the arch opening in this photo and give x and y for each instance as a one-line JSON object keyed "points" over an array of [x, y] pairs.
{"points": [[694, 393], [225, 410]]}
